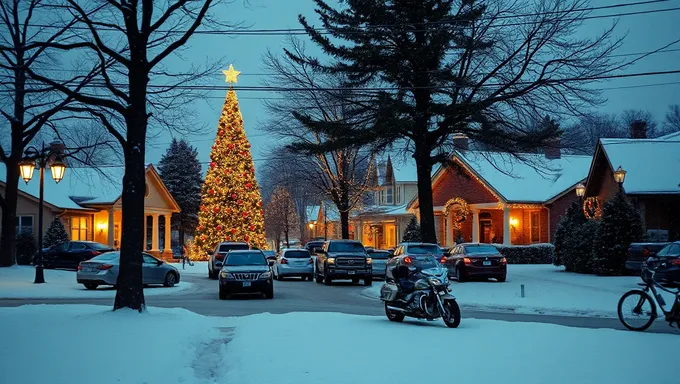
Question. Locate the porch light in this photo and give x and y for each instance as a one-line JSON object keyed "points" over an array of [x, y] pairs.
{"points": [[101, 226], [619, 175], [26, 168], [58, 169], [311, 225], [580, 190], [513, 222]]}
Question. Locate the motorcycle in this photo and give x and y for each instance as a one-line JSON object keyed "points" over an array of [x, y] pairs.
{"points": [[430, 299]]}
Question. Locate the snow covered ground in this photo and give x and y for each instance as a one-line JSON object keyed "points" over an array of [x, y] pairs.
{"points": [[77, 344], [17, 283], [547, 290], [199, 268]]}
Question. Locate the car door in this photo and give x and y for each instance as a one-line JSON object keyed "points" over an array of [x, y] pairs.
{"points": [[76, 253], [56, 254], [152, 272]]}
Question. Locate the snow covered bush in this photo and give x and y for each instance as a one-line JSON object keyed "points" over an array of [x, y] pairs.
{"points": [[56, 234], [528, 254], [572, 219], [620, 225], [26, 248], [412, 231], [577, 247]]}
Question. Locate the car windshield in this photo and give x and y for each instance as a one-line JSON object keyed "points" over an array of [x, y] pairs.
{"points": [[230, 247], [423, 249], [480, 249], [379, 254], [106, 256], [245, 258], [296, 254], [342, 246], [99, 246]]}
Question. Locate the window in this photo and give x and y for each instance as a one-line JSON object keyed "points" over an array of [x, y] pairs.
{"points": [[149, 259], [296, 254], [382, 197], [480, 249], [78, 247], [535, 228], [245, 258], [345, 246], [674, 250], [79, 228], [397, 195], [63, 247], [390, 196], [379, 255], [423, 249], [23, 223]]}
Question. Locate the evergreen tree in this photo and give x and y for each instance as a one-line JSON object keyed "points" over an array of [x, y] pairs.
{"points": [[572, 218], [412, 231], [577, 255], [231, 205], [181, 173], [56, 234], [26, 248], [620, 225]]}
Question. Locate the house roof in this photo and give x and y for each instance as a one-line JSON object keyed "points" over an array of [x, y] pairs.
{"points": [[647, 163], [670, 136], [403, 168], [312, 212], [383, 210]]}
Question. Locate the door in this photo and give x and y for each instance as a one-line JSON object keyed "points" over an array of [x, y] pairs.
{"points": [[485, 231], [152, 273]]}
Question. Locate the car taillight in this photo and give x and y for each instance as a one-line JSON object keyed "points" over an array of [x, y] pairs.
{"points": [[443, 260], [105, 267], [504, 261], [676, 261], [408, 260], [645, 252], [80, 267], [310, 261], [466, 260], [284, 261]]}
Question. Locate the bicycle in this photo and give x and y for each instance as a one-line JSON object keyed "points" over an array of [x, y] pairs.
{"points": [[642, 297]]}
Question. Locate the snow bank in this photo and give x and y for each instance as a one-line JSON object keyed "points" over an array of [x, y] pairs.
{"points": [[362, 349], [79, 344], [548, 290], [17, 283]]}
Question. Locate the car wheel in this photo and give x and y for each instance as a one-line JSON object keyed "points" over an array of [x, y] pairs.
{"points": [[459, 275], [170, 279], [328, 280], [269, 294], [91, 285], [501, 279], [355, 281], [223, 294], [368, 281]]}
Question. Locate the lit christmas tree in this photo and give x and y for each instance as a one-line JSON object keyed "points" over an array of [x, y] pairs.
{"points": [[231, 205]]}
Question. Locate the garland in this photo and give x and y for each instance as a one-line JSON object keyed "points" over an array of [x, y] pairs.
{"points": [[460, 209]]}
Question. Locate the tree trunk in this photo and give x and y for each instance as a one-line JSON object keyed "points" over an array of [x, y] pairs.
{"points": [[180, 230], [286, 235], [425, 204], [9, 211], [344, 223]]}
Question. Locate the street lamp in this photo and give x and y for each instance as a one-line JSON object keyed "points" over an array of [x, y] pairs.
{"points": [[619, 175], [46, 156], [580, 192]]}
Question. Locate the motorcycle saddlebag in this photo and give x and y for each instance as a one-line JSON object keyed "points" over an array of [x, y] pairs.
{"points": [[388, 292]]}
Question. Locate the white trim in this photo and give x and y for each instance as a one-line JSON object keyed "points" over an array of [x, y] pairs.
{"points": [[475, 225], [487, 206], [506, 227], [531, 225]]}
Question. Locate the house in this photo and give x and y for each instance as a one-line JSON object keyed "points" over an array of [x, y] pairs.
{"points": [[494, 197], [651, 182], [88, 202], [381, 225], [324, 221]]}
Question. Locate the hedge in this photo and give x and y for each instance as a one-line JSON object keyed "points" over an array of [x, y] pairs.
{"points": [[542, 253]]}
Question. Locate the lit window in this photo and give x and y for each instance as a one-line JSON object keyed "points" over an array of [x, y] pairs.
{"points": [[535, 227], [79, 228]]}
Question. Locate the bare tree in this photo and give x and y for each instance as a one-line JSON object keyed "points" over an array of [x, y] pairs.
{"points": [[281, 217], [630, 116], [583, 136], [672, 122], [129, 41]]}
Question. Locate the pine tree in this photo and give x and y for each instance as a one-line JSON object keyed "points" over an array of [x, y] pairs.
{"points": [[571, 219], [56, 234], [231, 205], [412, 231], [621, 225], [181, 173]]}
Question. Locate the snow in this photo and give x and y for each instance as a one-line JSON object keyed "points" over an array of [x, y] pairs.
{"points": [[384, 210], [176, 346], [647, 163], [17, 283], [548, 290], [199, 268]]}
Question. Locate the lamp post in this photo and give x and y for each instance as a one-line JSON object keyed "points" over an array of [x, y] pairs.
{"points": [[580, 192], [46, 156], [620, 177]]}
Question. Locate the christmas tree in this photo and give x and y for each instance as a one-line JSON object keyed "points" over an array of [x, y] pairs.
{"points": [[56, 234], [412, 231], [231, 204]]}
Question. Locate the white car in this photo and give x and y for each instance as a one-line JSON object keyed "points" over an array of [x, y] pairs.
{"points": [[295, 262]]}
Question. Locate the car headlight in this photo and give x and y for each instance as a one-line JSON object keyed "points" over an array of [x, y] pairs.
{"points": [[265, 275], [226, 275], [331, 260], [369, 260]]}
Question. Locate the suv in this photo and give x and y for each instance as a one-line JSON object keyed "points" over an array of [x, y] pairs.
{"points": [[246, 272], [343, 259], [217, 256]]}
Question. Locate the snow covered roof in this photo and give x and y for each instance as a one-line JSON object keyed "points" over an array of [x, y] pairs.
{"points": [[647, 163], [670, 136], [312, 212], [375, 210], [535, 179]]}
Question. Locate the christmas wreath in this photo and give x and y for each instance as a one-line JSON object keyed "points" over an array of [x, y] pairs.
{"points": [[459, 209]]}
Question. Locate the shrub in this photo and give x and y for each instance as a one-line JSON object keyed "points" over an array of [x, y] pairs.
{"points": [[26, 248], [412, 231], [56, 234], [572, 219], [528, 254], [577, 248]]}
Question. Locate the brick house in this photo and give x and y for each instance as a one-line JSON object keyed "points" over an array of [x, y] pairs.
{"points": [[492, 197], [652, 180]]}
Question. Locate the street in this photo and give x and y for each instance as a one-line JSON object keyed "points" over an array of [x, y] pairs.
{"points": [[303, 296]]}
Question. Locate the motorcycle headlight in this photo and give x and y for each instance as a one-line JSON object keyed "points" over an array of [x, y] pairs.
{"points": [[435, 282], [265, 275]]}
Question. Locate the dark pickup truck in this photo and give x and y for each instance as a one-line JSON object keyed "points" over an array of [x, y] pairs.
{"points": [[343, 260], [640, 252]]}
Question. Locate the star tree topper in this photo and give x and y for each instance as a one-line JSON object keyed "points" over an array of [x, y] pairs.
{"points": [[231, 74]]}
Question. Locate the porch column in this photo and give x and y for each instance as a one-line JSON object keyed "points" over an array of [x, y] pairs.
{"points": [[506, 226], [145, 228], [449, 230], [475, 226], [154, 232], [167, 246], [359, 231], [109, 227]]}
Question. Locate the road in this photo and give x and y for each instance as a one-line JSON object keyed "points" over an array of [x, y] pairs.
{"points": [[297, 296]]}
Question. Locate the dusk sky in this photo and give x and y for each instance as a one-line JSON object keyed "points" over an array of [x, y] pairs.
{"points": [[644, 33]]}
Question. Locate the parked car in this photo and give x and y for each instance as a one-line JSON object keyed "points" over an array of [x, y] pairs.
{"points": [[380, 259], [295, 262], [475, 260], [668, 270], [103, 270], [245, 271], [217, 256], [69, 254], [640, 252], [343, 259], [413, 249]]}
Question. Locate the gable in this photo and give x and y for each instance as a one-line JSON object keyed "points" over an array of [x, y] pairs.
{"points": [[157, 195], [460, 182]]}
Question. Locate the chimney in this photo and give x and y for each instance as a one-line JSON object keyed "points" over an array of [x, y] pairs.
{"points": [[638, 129], [552, 149], [460, 142]]}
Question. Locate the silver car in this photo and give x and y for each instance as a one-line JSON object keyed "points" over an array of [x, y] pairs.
{"points": [[380, 259], [294, 263], [103, 270]]}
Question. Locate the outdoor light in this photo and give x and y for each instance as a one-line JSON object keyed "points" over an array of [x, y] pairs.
{"points": [[619, 175], [26, 168], [101, 226], [58, 169], [311, 226], [513, 222], [580, 190]]}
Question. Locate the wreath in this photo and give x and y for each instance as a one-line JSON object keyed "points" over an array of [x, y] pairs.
{"points": [[591, 208], [459, 209]]}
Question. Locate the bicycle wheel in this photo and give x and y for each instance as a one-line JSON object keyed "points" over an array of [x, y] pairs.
{"points": [[636, 310]]}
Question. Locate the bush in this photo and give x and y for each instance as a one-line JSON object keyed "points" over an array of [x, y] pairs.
{"points": [[412, 231], [543, 253], [56, 234], [26, 248], [577, 248], [570, 221]]}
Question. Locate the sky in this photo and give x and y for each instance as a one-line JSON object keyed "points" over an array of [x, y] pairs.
{"points": [[643, 33]]}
